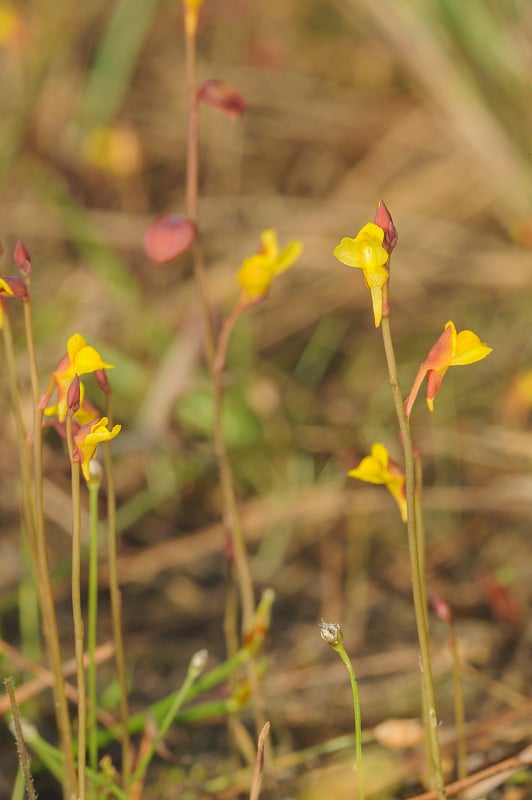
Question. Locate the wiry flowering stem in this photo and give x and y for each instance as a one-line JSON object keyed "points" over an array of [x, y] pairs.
{"points": [[49, 617], [332, 634], [116, 603], [232, 521], [77, 612], [418, 590]]}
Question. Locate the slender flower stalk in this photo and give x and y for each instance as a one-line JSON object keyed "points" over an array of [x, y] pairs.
{"points": [[77, 613], [49, 618], [231, 515], [443, 611], [116, 603], [92, 619], [418, 580], [332, 634]]}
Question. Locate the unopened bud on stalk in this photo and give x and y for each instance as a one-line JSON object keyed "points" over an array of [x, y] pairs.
{"points": [[102, 380], [22, 259], [384, 220], [73, 396]]}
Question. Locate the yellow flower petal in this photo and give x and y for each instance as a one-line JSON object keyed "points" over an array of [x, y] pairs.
{"points": [[373, 468], [469, 349], [257, 272]]}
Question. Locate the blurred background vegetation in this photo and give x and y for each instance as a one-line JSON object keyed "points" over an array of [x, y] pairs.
{"points": [[423, 103]]}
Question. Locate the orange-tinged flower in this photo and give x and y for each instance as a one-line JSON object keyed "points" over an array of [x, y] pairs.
{"points": [[379, 468], [366, 252], [258, 271], [452, 349], [79, 359], [87, 439]]}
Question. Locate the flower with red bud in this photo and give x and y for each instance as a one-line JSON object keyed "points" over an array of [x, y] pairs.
{"points": [[384, 220], [223, 96], [86, 442], [22, 259], [73, 398], [168, 237]]}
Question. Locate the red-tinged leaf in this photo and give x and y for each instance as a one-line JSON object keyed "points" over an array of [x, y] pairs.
{"points": [[221, 95], [168, 237]]}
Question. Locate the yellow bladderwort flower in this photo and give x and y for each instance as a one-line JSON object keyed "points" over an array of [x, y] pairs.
{"points": [[379, 468], [366, 252], [79, 359], [258, 271], [192, 10], [87, 439], [451, 349]]}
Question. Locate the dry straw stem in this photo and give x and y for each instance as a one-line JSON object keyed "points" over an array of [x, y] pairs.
{"points": [[19, 738], [259, 764]]}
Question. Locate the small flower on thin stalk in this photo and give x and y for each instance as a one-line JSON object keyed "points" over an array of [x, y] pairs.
{"points": [[379, 468], [451, 349], [255, 277], [258, 271], [366, 252], [86, 442], [79, 359]]}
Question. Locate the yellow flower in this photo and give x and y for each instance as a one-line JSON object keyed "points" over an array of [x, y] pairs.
{"points": [[258, 271], [451, 349], [379, 468], [366, 252], [79, 359], [87, 439], [114, 149]]}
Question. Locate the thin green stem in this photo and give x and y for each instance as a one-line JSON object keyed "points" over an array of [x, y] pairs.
{"points": [[49, 618], [116, 604], [77, 613], [340, 649], [418, 590], [92, 620], [195, 668]]}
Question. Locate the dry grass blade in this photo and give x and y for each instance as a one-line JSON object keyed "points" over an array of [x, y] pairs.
{"points": [[259, 764]]}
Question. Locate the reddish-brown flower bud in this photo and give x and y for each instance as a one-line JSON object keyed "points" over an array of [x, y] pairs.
{"points": [[384, 220], [73, 396], [168, 237], [22, 259], [221, 95], [102, 380], [442, 609]]}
